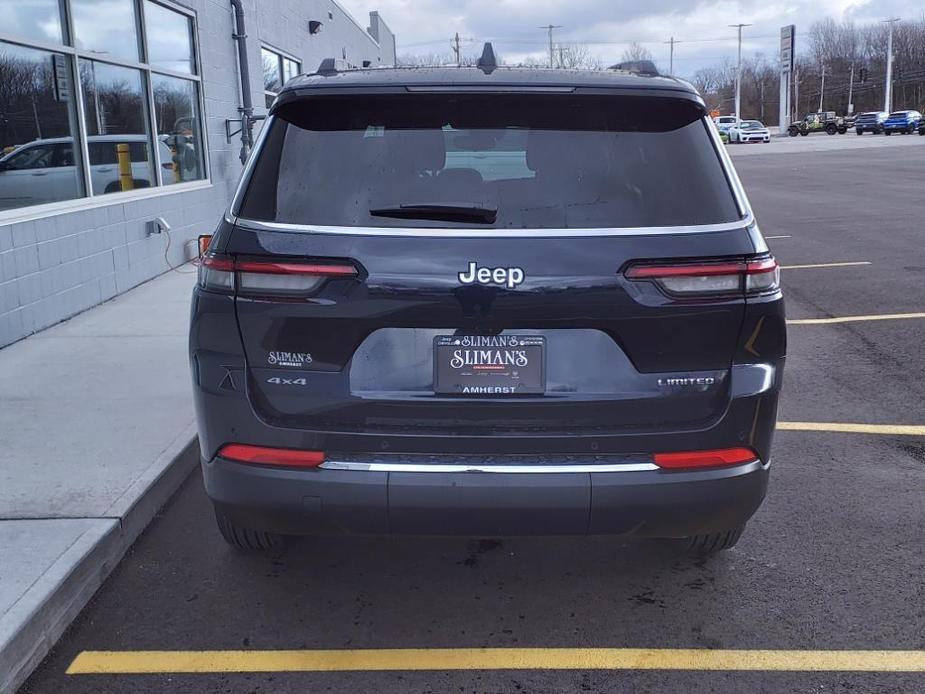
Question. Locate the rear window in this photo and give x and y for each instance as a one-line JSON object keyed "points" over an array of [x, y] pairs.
{"points": [[478, 160]]}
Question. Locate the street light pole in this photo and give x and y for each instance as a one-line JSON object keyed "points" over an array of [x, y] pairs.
{"points": [[822, 89], [739, 71], [888, 91]]}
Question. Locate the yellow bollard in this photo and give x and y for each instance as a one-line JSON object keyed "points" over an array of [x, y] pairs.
{"points": [[125, 167]]}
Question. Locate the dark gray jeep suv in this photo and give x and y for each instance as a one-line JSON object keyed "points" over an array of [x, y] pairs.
{"points": [[487, 301]]}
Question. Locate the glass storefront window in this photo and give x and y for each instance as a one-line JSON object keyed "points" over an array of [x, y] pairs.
{"points": [[107, 27], [36, 19], [277, 70], [37, 127], [290, 69], [116, 122], [176, 106], [169, 39], [106, 102], [271, 71]]}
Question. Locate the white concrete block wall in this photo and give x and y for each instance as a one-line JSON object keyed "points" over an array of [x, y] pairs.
{"points": [[56, 265]]}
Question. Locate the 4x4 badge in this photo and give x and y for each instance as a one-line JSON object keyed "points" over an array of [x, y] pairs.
{"points": [[508, 277]]}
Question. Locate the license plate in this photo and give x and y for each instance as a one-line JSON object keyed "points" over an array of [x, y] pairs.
{"points": [[489, 364]]}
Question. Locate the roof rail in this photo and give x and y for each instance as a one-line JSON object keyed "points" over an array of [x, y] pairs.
{"points": [[637, 67], [487, 62]]}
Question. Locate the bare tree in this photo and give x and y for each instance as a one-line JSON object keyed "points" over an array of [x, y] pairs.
{"points": [[577, 55], [435, 59], [636, 52]]}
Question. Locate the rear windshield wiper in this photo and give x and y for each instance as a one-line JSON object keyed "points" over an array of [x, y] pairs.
{"points": [[449, 212]]}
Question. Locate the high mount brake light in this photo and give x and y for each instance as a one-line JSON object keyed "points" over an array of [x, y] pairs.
{"points": [[262, 455], [268, 278], [752, 276], [688, 460]]}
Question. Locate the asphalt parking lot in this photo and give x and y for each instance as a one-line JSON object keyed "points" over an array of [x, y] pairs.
{"points": [[833, 561]]}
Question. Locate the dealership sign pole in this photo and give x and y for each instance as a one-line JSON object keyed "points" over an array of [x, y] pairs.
{"points": [[787, 45]]}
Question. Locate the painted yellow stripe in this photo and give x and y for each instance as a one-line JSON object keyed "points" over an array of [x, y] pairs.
{"points": [[813, 265], [889, 429], [178, 662], [783, 236], [855, 319]]}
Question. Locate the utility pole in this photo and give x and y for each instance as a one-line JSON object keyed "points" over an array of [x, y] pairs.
{"points": [[455, 46], [796, 95], [851, 91], [671, 43], [888, 91], [822, 89], [549, 28], [561, 56], [739, 71]]}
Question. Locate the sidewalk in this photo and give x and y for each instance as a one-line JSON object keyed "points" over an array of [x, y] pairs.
{"points": [[96, 432]]}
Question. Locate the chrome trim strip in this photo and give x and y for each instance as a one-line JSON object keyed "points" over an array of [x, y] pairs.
{"points": [[509, 469], [746, 221]]}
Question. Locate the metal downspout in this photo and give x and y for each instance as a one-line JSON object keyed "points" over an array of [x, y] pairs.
{"points": [[247, 107]]}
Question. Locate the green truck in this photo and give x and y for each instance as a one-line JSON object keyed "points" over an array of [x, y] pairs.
{"points": [[825, 122]]}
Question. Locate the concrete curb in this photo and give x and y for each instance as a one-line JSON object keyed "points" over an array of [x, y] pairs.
{"points": [[43, 614]]}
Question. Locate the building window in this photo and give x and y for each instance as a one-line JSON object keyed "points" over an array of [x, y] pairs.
{"points": [[116, 123], [277, 70], [116, 108]]}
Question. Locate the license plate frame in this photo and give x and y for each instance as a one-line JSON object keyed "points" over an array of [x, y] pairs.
{"points": [[489, 366]]}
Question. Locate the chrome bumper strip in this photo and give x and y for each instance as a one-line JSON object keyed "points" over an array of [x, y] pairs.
{"points": [[508, 469]]}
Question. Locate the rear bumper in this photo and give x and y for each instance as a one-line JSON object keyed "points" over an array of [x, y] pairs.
{"points": [[644, 503]]}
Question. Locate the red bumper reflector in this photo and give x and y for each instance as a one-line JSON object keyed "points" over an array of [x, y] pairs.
{"points": [[698, 459], [260, 455]]}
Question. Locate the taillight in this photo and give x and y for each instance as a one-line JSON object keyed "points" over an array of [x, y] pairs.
{"points": [[753, 276], [216, 274], [262, 455], [263, 278], [689, 460]]}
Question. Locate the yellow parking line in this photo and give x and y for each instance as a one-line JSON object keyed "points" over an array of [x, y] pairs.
{"points": [[854, 319], [846, 428], [778, 237], [177, 662], [814, 265]]}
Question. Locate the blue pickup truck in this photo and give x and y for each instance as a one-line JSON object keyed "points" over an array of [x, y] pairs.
{"points": [[902, 122]]}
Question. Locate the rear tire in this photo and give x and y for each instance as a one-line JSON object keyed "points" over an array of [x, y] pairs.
{"points": [[245, 539], [711, 543], [887, 132], [804, 133], [860, 132]]}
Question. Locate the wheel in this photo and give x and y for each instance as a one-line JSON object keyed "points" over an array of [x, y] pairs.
{"points": [[830, 130], [921, 131], [711, 543], [792, 132], [910, 129], [804, 133], [887, 132], [859, 132], [245, 539]]}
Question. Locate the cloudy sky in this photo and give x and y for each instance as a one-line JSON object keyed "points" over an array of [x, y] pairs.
{"points": [[608, 26]]}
